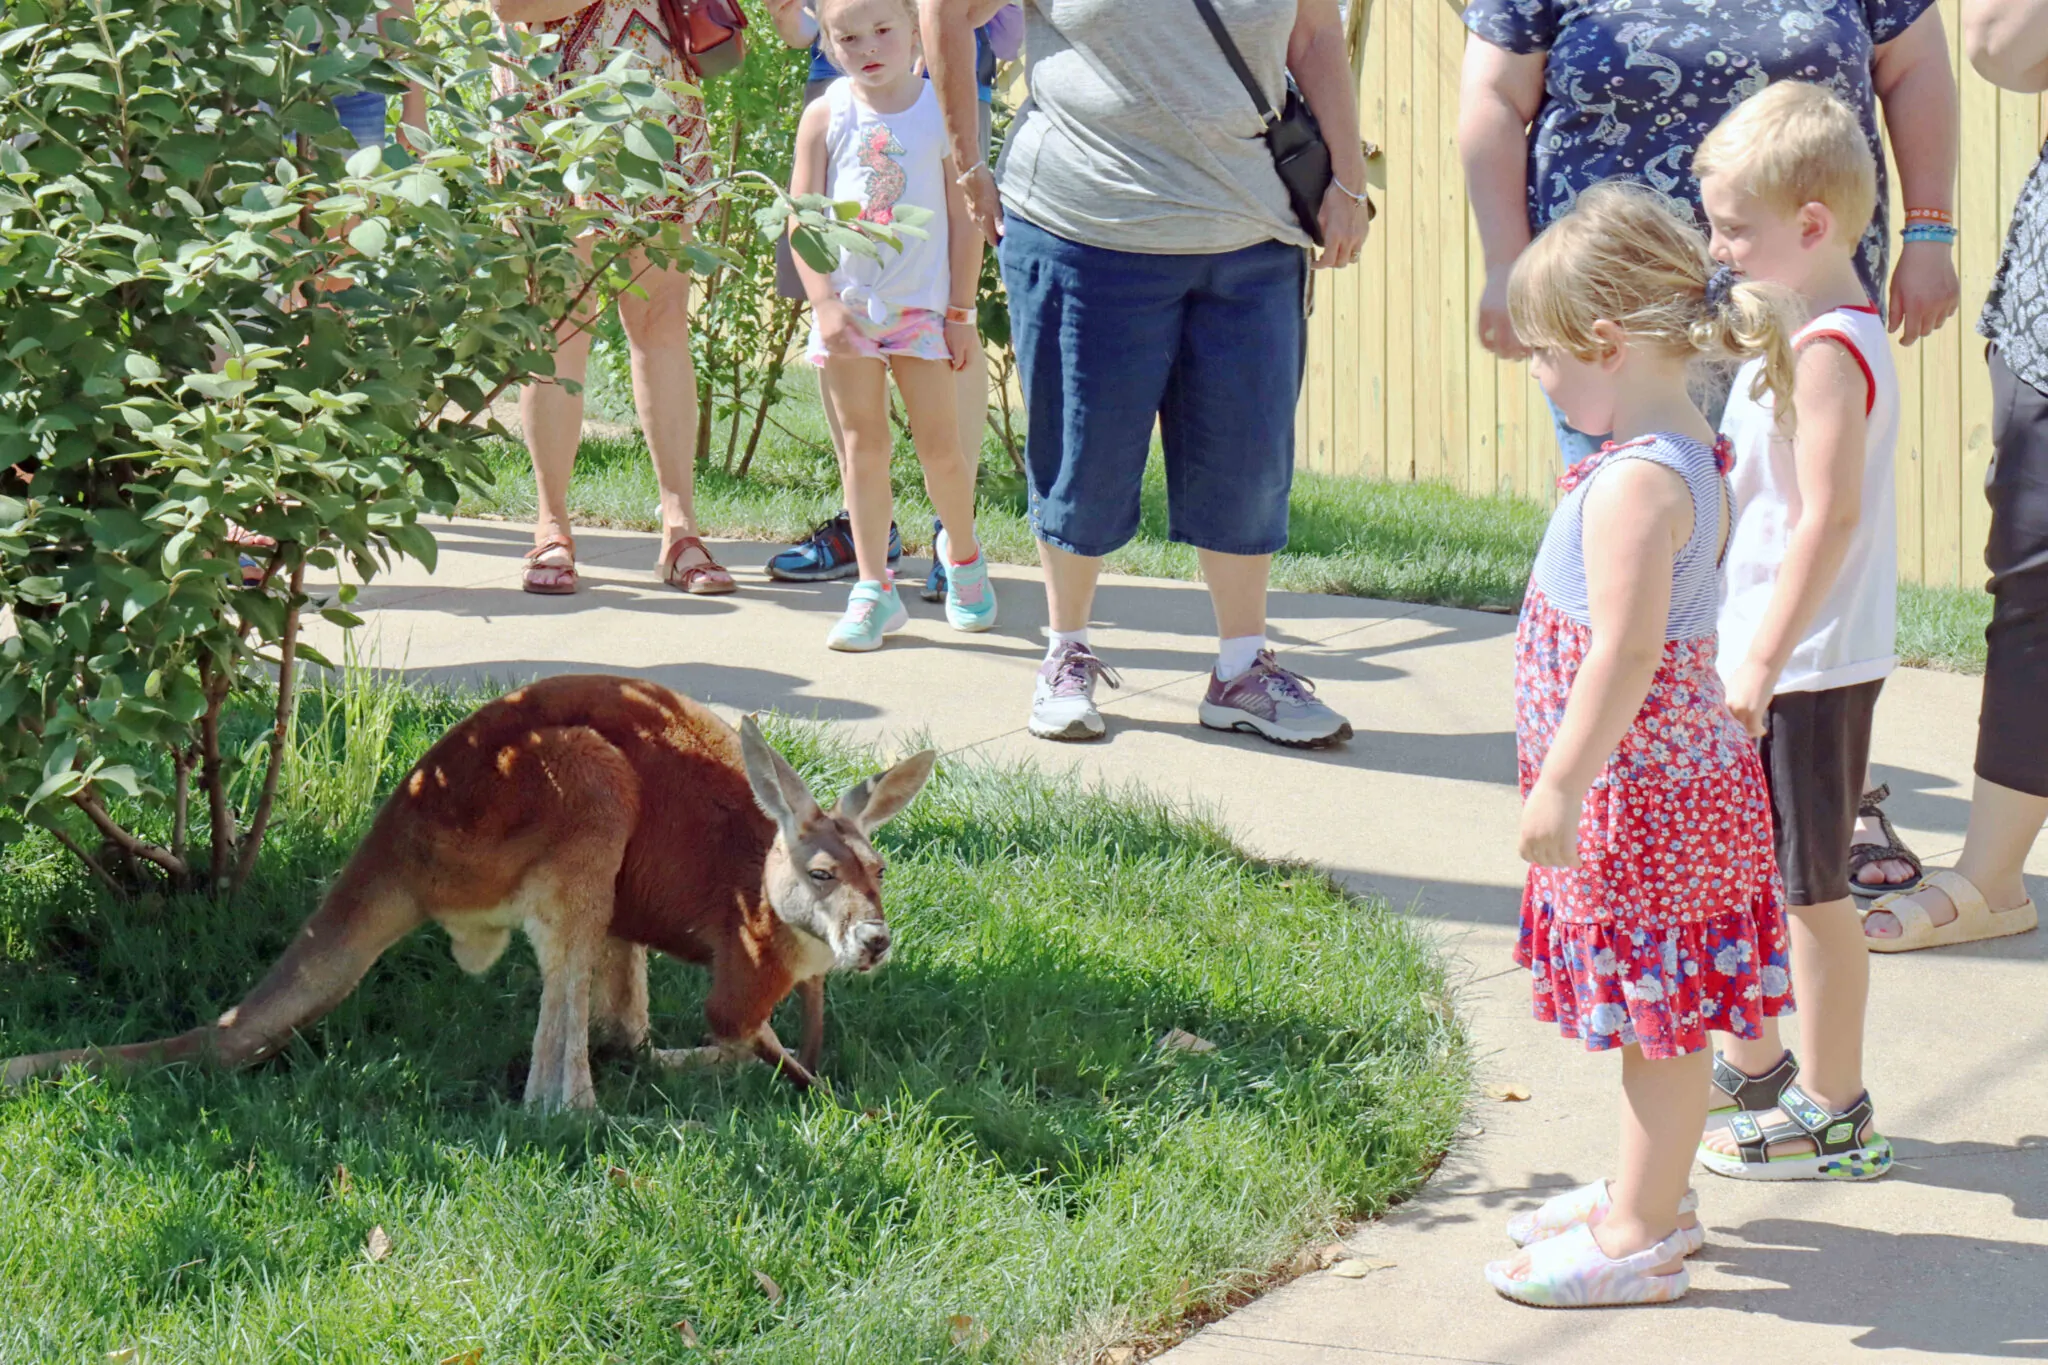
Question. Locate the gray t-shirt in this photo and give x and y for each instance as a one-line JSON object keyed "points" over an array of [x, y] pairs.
{"points": [[1137, 137]]}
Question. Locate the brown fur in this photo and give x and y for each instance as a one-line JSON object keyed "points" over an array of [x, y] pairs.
{"points": [[605, 816]]}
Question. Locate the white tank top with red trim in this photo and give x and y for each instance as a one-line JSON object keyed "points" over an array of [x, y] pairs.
{"points": [[1853, 635]]}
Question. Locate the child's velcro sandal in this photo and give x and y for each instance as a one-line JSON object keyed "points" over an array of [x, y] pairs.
{"points": [[1840, 1151], [1754, 1093], [1586, 1206], [1571, 1271]]}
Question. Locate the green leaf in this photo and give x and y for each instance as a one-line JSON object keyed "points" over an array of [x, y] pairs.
{"points": [[120, 775], [811, 246], [365, 161], [57, 785], [347, 620], [141, 368], [369, 237]]}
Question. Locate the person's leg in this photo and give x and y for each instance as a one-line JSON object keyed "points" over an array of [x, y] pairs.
{"points": [[2010, 802], [857, 391], [552, 419], [931, 401]]}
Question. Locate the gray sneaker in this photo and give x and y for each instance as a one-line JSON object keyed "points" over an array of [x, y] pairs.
{"points": [[1063, 701], [1273, 704]]}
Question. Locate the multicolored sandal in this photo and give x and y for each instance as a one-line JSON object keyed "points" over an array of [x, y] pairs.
{"points": [[1586, 1206], [1841, 1151], [1571, 1271], [1754, 1093]]}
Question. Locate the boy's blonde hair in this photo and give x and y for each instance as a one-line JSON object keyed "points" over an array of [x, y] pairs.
{"points": [[1792, 144], [1623, 256]]}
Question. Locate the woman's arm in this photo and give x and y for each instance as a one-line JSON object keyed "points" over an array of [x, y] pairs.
{"points": [[2008, 42], [1317, 56], [1637, 515], [1924, 121], [1831, 395], [793, 23], [537, 11], [948, 30], [1498, 95]]}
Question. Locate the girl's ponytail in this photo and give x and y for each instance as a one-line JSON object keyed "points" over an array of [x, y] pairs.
{"points": [[1741, 320]]}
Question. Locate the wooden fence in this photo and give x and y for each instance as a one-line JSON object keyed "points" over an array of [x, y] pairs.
{"points": [[1399, 388]]}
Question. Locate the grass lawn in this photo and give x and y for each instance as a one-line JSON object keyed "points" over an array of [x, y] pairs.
{"points": [[1405, 542], [1006, 1166]]}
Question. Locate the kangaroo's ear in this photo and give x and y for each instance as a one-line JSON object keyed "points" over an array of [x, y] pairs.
{"points": [[874, 802], [777, 788]]}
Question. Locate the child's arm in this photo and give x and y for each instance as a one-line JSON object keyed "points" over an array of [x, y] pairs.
{"points": [[1637, 515], [1831, 394], [963, 242], [793, 22], [807, 176]]}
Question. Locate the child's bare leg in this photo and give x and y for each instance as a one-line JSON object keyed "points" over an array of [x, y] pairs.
{"points": [[1663, 1104], [973, 382], [931, 398], [1831, 982], [857, 394]]}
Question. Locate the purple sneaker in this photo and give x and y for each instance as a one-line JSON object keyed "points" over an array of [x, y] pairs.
{"points": [[1063, 701], [1273, 704]]}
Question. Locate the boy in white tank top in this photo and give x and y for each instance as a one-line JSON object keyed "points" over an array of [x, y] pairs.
{"points": [[1807, 624]]}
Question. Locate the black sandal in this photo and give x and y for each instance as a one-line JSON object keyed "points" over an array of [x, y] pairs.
{"points": [[1840, 1151], [1891, 850], [1753, 1094]]}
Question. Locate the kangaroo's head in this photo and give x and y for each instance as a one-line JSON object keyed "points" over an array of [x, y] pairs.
{"points": [[823, 877]]}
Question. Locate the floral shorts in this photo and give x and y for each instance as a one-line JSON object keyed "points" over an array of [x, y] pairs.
{"points": [[916, 332]]}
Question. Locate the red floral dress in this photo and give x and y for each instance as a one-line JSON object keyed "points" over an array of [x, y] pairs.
{"points": [[588, 40], [1674, 923]]}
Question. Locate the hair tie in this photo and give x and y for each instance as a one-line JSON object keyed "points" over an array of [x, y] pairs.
{"points": [[1720, 285]]}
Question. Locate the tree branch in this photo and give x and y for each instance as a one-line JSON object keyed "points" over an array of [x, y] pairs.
{"points": [[214, 776], [181, 801], [288, 648], [122, 839], [105, 877]]}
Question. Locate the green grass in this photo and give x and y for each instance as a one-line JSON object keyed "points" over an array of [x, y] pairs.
{"points": [[1002, 1140], [1402, 542]]}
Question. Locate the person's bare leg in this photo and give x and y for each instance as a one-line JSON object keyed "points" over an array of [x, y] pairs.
{"points": [[2003, 826], [1069, 587], [931, 399], [552, 419], [973, 382], [665, 394], [1237, 591], [1663, 1105], [857, 390], [1831, 982], [1890, 872]]}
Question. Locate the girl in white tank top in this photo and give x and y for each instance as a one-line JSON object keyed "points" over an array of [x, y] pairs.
{"points": [[905, 309]]}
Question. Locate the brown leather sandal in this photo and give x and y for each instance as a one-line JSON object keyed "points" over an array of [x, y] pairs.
{"points": [[709, 579], [563, 582]]}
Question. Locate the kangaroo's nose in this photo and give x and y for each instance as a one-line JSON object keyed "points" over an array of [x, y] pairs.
{"points": [[873, 940]]}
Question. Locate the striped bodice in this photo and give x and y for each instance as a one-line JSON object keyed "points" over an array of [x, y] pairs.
{"points": [[1560, 572]]}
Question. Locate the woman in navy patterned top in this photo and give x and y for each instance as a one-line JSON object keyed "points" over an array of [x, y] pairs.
{"points": [[1559, 95]]}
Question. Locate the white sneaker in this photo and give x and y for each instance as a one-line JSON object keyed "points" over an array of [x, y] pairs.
{"points": [[1063, 700]]}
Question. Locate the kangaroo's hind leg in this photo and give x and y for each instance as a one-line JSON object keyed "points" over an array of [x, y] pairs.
{"points": [[618, 1006]]}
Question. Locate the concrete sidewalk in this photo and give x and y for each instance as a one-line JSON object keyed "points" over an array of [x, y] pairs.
{"points": [[1947, 1258]]}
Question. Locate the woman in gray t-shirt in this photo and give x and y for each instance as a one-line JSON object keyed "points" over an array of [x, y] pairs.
{"points": [[1157, 276]]}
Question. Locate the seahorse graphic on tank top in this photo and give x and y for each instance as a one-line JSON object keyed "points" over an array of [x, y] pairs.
{"points": [[885, 175]]}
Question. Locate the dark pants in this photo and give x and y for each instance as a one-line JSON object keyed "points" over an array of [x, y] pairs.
{"points": [[1816, 748], [2012, 729]]}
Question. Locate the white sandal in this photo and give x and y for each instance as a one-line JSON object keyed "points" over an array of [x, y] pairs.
{"points": [[1571, 1271], [1587, 1205], [1974, 919]]}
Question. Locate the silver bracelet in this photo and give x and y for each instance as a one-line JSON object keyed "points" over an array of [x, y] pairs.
{"points": [[1345, 190]]}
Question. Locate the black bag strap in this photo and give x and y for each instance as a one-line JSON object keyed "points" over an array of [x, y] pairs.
{"points": [[1236, 60]]}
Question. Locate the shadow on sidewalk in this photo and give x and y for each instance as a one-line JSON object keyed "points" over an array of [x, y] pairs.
{"points": [[749, 689]]}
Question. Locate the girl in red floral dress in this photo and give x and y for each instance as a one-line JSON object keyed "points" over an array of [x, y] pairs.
{"points": [[1653, 908]]}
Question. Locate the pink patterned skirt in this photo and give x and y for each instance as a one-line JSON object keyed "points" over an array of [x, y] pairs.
{"points": [[1674, 924], [589, 39]]}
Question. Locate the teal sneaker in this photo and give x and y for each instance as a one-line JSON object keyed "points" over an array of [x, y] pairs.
{"points": [[970, 597], [873, 610]]}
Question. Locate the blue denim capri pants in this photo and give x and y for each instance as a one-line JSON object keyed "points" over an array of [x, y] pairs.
{"points": [[1210, 346]]}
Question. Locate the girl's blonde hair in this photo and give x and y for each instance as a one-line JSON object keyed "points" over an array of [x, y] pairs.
{"points": [[909, 8], [1623, 256]]}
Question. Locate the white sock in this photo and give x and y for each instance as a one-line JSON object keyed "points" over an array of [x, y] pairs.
{"points": [[1055, 638], [1236, 656]]}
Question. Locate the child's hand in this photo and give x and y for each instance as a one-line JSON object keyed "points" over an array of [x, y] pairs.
{"points": [[1550, 827], [837, 329], [1749, 695], [962, 338]]}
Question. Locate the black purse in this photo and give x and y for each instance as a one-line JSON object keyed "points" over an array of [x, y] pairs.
{"points": [[1293, 136]]}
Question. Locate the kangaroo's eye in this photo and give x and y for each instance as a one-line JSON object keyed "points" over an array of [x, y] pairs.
{"points": [[879, 871], [822, 874]]}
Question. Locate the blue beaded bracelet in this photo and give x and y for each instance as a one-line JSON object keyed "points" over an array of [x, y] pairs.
{"points": [[1930, 232]]}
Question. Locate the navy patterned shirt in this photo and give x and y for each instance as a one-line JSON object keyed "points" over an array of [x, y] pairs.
{"points": [[1631, 86], [2016, 315]]}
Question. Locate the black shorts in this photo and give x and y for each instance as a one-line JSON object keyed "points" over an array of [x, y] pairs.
{"points": [[2012, 730], [1816, 748]]}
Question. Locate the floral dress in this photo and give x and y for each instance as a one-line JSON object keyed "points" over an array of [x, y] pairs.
{"points": [[1674, 923], [588, 40], [1631, 86]]}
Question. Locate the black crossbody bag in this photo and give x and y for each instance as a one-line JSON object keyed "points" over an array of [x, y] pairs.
{"points": [[1293, 136]]}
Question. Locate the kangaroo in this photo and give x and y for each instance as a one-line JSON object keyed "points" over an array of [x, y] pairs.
{"points": [[604, 816]]}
